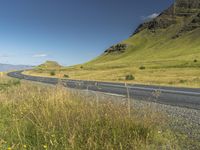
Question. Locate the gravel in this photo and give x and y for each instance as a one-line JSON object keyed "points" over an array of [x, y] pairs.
{"points": [[184, 122]]}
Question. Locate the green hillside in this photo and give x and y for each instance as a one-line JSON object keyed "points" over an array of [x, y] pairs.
{"points": [[164, 50], [170, 40], [51, 65], [155, 50]]}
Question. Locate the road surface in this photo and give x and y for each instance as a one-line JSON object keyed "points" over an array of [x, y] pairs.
{"points": [[182, 97]]}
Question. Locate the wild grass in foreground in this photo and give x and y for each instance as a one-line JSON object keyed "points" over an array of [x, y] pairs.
{"points": [[38, 117], [6, 83]]}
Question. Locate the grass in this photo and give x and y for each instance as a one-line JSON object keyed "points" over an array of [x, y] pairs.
{"points": [[161, 76], [167, 61], [40, 117], [6, 83]]}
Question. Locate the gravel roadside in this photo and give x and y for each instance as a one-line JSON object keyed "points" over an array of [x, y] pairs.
{"points": [[183, 121]]}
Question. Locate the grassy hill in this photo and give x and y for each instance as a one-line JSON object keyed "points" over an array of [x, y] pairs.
{"points": [[48, 68], [49, 65], [165, 50]]}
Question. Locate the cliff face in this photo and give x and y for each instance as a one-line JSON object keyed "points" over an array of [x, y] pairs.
{"points": [[188, 11], [187, 7], [192, 24], [164, 20]]}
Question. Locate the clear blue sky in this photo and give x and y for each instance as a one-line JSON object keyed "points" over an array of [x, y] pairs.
{"points": [[68, 31]]}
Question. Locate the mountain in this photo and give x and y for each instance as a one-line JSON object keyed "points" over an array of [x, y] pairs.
{"points": [[173, 36], [7, 67]]}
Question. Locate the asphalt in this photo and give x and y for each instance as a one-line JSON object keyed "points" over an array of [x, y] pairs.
{"points": [[182, 97]]}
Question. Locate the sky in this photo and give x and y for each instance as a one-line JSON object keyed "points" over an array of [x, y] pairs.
{"points": [[68, 31]]}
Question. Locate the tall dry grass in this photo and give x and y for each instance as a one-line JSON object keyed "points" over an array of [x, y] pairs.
{"points": [[39, 117]]}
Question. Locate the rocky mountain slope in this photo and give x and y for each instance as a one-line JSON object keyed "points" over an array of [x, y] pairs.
{"points": [[183, 12], [175, 32]]}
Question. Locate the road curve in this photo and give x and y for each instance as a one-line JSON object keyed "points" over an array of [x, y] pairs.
{"points": [[182, 97]]}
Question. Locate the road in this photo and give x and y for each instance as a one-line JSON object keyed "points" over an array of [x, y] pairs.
{"points": [[182, 97]]}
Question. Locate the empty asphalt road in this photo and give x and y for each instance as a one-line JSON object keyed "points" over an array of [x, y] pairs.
{"points": [[182, 97]]}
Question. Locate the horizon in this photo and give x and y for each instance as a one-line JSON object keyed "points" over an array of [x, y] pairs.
{"points": [[48, 30]]}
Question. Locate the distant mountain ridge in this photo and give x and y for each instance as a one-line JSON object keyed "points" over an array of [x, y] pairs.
{"points": [[8, 67]]}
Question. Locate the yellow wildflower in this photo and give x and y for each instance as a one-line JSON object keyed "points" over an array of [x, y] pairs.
{"points": [[45, 146]]}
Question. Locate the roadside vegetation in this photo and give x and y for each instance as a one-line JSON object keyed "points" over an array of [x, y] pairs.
{"points": [[7, 83], [182, 77], [40, 117]]}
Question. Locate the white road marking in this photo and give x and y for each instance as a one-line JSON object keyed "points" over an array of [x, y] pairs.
{"points": [[106, 93], [152, 89]]}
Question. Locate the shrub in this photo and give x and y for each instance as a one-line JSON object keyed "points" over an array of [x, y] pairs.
{"points": [[52, 73], [195, 60], [142, 67], [130, 77], [182, 81], [66, 76], [81, 67]]}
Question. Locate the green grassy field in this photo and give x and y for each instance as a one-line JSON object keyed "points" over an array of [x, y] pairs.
{"points": [[37, 117], [165, 61]]}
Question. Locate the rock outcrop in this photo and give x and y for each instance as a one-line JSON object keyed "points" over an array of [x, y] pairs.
{"points": [[119, 48], [187, 7], [187, 10], [193, 24], [164, 20]]}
